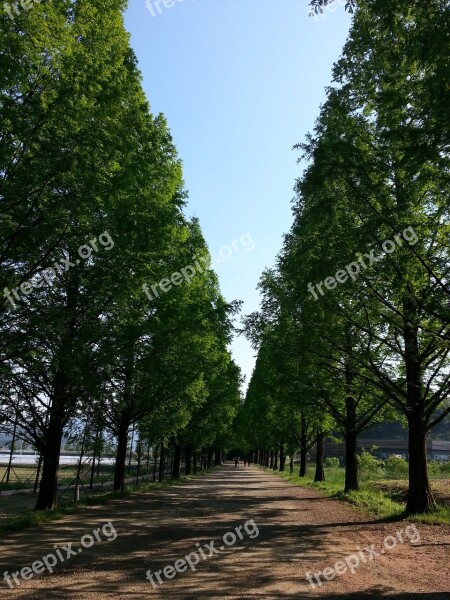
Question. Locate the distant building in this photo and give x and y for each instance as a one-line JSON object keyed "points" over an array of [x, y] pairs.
{"points": [[436, 449]]}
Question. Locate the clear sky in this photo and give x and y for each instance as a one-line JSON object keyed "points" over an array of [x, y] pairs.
{"points": [[240, 82]]}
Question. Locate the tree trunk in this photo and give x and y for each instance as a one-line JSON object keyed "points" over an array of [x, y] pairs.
{"points": [[188, 459], [155, 462], [131, 449], [172, 454], [275, 460], [210, 457], [282, 457], [351, 462], [267, 458], [320, 472], [271, 459], [162, 462], [420, 497], [291, 463], [303, 447], [13, 443], [195, 462], [176, 462], [94, 453], [38, 473], [80, 462], [121, 453], [48, 489], [139, 457]]}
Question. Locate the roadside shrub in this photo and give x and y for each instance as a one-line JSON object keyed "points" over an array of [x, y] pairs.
{"points": [[396, 467], [438, 469], [332, 463], [370, 467], [445, 468]]}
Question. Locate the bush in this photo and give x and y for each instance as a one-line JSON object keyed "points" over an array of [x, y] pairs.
{"points": [[370, 467], [445, 468], [332, 463], [396, 467], [438, 469]]}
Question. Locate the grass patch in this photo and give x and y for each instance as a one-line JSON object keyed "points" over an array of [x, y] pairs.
{"points": [[32, 518], [442, 517], [24, 477], [368, 498]]}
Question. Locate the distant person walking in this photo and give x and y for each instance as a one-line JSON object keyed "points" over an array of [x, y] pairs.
{"points": [[236, 462]]}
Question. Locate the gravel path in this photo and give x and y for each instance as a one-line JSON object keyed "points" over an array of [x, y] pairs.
{"points": [[277, 533]]}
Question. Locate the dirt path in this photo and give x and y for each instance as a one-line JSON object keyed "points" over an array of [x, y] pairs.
{"points": [[294, 531]]}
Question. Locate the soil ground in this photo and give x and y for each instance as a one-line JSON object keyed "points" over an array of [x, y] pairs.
{"points": [[299, 532]]}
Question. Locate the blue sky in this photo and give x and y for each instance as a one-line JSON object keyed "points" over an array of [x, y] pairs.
{"points": [[240, 82]]}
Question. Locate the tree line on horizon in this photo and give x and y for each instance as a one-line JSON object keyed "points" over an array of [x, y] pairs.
{"points": [[354, 327], [91, 199]]}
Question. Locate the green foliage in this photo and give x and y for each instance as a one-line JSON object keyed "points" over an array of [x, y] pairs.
{"points": [[82, 156], [316, 6], [368, 499], [370, 467], [359, 285], [396, 467], [439, 469]]}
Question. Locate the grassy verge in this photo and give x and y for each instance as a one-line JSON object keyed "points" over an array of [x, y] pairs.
{"points": [[67, 474], [33, 518], [367, 498]]}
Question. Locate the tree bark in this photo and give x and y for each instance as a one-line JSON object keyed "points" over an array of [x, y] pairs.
{"points": [[162, 462], [420, 497], [94, 453], [176, 462], [188, 459], [320, 472], [303, 447], [139, 458], [121, 453], [155, 462], [351, 462], [291, 462], [271, 459], [38, 473], [131, 449], [48, 490], [275, 460], [80, 462], [351, 432], [282, 457], [13, 443]]}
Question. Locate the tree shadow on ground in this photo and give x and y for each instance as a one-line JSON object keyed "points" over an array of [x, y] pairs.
{"points": [[158, 528]]}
